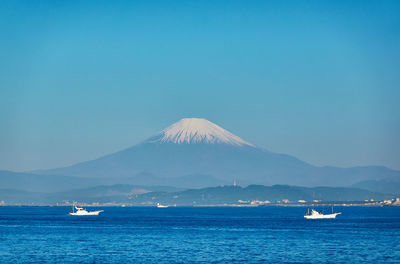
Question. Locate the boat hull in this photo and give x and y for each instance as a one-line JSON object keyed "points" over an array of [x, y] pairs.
{"points": [[87, 213], [329, 216]]}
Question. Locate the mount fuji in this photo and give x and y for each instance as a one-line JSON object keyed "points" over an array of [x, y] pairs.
{"points": [[195, 151]]}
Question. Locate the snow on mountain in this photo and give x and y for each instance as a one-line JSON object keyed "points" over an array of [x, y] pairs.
{"points": [[197, 130]]}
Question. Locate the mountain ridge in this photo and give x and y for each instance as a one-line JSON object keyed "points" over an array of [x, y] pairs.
{"points": [[199, 147], [227, 194]]}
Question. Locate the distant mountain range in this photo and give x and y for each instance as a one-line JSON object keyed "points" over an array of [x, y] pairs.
{"points": [[195, 146], [388, 185], [275, 193], [194, 153], [56, 183], [118, 193], [145, 195]]}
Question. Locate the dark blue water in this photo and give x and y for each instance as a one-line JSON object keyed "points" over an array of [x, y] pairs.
{"points": [[198, 235]]}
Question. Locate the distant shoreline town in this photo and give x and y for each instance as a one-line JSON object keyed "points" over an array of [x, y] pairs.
{"points": [[371, 204], [240, 203]]}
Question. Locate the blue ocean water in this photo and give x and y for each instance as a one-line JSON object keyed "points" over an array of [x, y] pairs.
{"points": [[199, 235]]}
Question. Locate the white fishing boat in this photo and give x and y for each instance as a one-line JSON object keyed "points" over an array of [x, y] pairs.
{"points": [[161, 206], [80, 211], [316, 215]]}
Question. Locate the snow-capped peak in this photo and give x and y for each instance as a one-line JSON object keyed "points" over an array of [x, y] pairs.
{"points": [[198, 130]]}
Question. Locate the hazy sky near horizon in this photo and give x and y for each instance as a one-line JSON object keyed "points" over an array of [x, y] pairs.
{"points": [[319, 80]]}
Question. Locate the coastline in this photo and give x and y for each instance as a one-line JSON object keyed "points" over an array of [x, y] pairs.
{"points": [[335, 204]]}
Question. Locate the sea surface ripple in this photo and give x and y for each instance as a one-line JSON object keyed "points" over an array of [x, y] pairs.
{"points": [[199, 235]]}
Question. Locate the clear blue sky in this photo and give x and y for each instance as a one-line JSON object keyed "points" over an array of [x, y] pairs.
{"points": [[319, 80]]}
